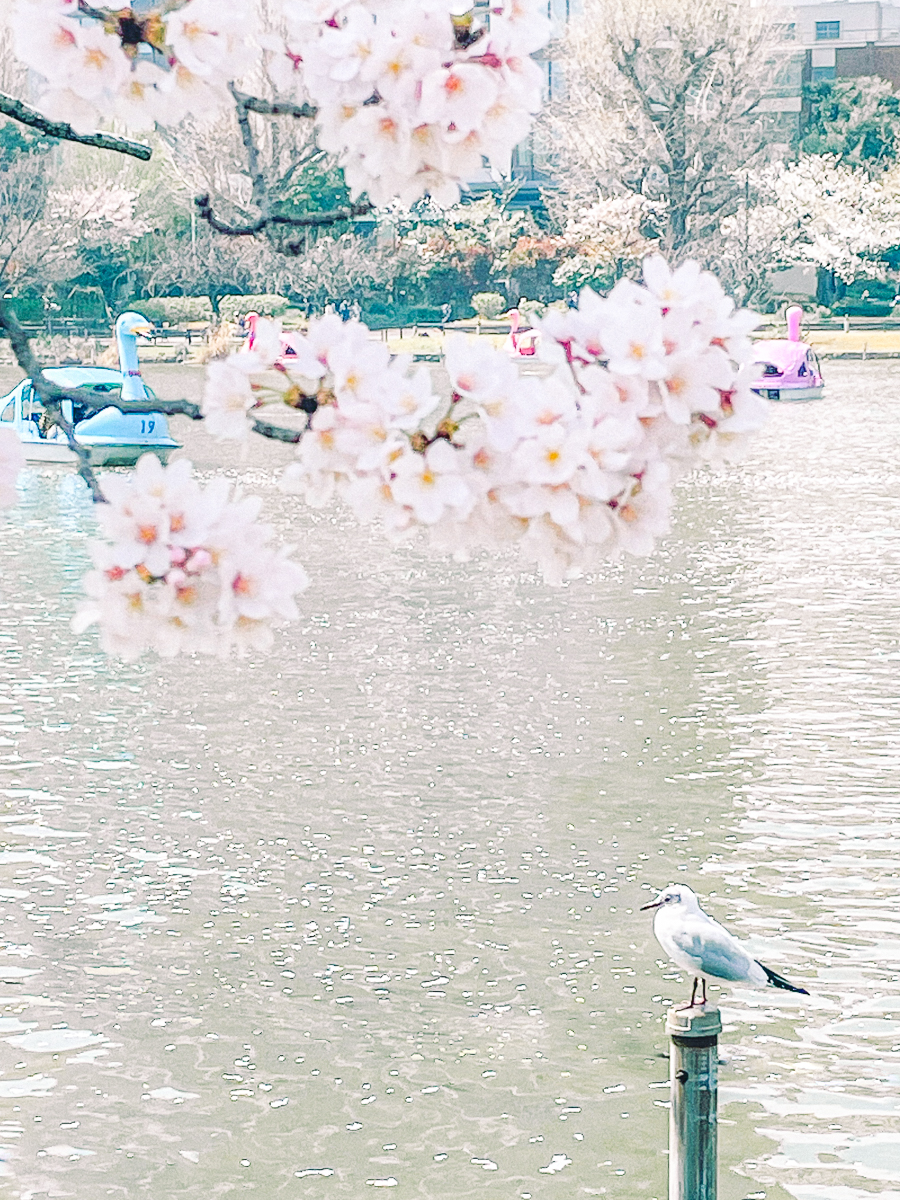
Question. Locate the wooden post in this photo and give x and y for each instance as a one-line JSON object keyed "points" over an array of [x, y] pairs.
{"points": [[694, 1057]]}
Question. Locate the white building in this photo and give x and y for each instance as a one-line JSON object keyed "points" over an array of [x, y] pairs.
{"points": [[843, 39]]}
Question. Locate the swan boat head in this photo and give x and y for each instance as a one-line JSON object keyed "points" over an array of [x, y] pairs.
{"points": [[133, 324], [130, 326]]}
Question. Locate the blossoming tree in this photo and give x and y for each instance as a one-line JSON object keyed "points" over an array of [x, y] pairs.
{"points": [[669, 101], [573, 462], [816, 211]]}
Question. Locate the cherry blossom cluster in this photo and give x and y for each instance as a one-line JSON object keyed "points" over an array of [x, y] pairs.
{"points": [[151, 63], [411, 97], [574, 462], [334, 371], [185, 569]]}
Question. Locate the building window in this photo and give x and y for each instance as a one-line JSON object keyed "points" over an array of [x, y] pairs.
{"points": [[827, 31], [823, 73]]}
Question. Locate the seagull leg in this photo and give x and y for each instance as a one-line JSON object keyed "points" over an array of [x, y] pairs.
{"points": [[690, 1003], [703, 1001]]}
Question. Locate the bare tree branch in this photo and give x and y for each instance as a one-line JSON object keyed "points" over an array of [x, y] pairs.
{"points": [[168, 408], [333, 216], [277, 433], [302, 160], [26, 115], [274, 108], [85, 470], [259, 193], [51, 396]]}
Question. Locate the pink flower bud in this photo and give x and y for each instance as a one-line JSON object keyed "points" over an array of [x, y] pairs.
{"points": [[200, 560]]}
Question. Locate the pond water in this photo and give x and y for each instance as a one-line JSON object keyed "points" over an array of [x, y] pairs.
{"points": [[364, 913]]}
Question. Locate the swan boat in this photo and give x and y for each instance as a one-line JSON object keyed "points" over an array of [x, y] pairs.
{"points": [[114, 438], [520, 342], [288, 345], [787, 368]]}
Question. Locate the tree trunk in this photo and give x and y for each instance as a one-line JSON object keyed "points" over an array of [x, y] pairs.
{"points": [[825, 287]]}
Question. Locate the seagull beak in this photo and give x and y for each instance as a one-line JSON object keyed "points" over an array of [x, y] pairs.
{"points": [[655, 904]]}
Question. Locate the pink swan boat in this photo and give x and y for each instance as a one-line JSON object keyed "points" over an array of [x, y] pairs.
{"points": [[786, 368], [288, 345], [521, 343]]}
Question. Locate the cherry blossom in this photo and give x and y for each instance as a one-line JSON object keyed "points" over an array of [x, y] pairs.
{"points": [[228, 396], [410, 97], [155, 63], [430, 484], [185, 569], [573, 463], [213, 39]]}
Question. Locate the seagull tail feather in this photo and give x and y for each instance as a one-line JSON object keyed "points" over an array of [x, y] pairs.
{"points": [[779, 981]]}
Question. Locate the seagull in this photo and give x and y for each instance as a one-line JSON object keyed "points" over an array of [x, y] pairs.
{"points": [[704, 948]]}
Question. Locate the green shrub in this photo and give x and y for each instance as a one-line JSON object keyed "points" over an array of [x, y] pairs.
{"points": [[425, 314], [861, 308], [28, 308], [488, 304], [233, 307], [531, 308]]}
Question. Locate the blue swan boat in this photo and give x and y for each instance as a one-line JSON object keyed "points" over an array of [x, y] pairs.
{"points": [[114, 438]]}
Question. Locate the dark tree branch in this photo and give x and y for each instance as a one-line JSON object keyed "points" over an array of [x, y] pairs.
{"points": [[51, 396], [274, 108], [85, 470], [26, 115], [259, 194], [168, 408], [311, 220], [277, 433]]}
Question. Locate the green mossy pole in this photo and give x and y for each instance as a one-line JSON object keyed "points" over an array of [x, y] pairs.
{"points": [[694, 1055]]}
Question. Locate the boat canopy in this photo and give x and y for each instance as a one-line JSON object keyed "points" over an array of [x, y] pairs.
{"points": [[787, 357], [92, 377]]}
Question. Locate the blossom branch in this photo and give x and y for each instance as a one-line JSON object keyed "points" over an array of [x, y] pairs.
{"points": [[26, 115]]}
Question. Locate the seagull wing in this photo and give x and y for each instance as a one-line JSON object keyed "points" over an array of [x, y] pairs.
{"points": [[715, 952]]}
